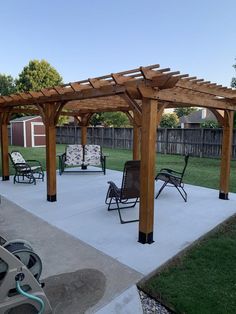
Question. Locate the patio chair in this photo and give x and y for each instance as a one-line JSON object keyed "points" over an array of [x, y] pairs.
{"points": [[72, 157], [82, 155], [26, 169], [173, 178], [93, 156], [128, 195]]}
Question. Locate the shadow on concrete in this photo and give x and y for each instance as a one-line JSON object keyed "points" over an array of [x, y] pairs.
{"points": [[75, 292], [68, 293]]}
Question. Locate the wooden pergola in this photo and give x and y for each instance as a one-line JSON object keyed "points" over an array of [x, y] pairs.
{"points": [[142, 94]]}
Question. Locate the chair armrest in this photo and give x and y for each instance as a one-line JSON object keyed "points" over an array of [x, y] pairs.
{"points": [[174, 176], [169, 176], [22, 166], [113, 188], [103, 157], [34, 161], [169, 171], [61, 155], [62, 159]]}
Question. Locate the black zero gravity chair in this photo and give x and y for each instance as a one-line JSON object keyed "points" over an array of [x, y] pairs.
{"points": [[25, 169], [173, 178], [128, 195]]}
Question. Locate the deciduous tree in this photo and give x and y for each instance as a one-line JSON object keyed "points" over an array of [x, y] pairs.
{"points": [[115, 119], [233, 84], [169, 120], [37, 75], [184, 111], [7, 85]]}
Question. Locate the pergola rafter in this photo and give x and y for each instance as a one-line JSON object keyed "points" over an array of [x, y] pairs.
{"points": [[142, 94]]}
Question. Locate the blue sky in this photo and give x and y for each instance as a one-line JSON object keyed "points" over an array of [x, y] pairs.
{"points": [[84, 39]]}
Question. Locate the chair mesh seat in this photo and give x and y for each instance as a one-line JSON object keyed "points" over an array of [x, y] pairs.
{"points": [[173, 178], [128, 195]]}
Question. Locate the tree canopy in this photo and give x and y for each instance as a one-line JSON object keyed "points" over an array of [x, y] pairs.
{"points": [[7, 85], [37, 75], [233, 84], [210, 124], [110, 119], [169, 120], [184, 111]]}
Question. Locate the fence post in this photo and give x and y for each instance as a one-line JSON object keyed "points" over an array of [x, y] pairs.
{"points": [[102, 141], [183, 141], [202, 143], [60, 128], [74, 134], [93, 136], [166, 141], [113, 137]]}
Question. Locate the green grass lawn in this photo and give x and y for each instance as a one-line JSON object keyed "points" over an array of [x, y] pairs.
{"points": [[200, 171], [203, 280]]}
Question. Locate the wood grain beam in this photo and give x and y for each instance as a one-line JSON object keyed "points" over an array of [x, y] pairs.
{"points": [[4, 120], [136, 142], [104, 91], [226, 154], [190, 99], [210, 89], [219, 114], [83, 135], [148, 141]]}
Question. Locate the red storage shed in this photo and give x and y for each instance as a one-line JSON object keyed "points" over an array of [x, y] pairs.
{"points": [[28, 131]]}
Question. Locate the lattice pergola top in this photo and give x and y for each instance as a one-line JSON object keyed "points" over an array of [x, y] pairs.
{"points": [[110, 92]]}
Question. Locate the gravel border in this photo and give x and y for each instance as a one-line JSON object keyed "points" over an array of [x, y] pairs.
{"points": [[151, 306]]}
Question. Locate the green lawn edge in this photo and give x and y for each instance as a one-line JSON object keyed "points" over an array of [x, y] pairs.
{"points": [[201, 278], [203, 172]]}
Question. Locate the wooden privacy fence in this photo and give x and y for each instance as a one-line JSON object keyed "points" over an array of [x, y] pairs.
{"points": [[198, 142]]}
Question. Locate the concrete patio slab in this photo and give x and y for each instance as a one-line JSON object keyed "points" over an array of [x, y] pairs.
{"points": [[127, 303], [81, 212], [77, 276]]}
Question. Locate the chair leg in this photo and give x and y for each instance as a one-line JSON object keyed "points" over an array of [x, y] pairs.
{"points": [[184, 194], [122, 221], [104, 166], [161, 189], [109, 205]]}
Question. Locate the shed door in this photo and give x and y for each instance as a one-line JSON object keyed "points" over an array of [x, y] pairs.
{"points": [[38, 134]]}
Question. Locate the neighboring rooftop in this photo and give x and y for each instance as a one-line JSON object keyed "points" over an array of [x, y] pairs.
{"points": [[198, 116]]}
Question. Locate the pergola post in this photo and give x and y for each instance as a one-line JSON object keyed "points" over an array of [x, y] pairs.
{"points": [[148, 140], [226, 154], [136, 142], [84, 122], [4, 146], [83, 135], [50, 126], [51, 163]]}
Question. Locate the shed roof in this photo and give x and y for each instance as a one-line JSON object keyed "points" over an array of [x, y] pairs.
{"points": [[25, 118]]}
